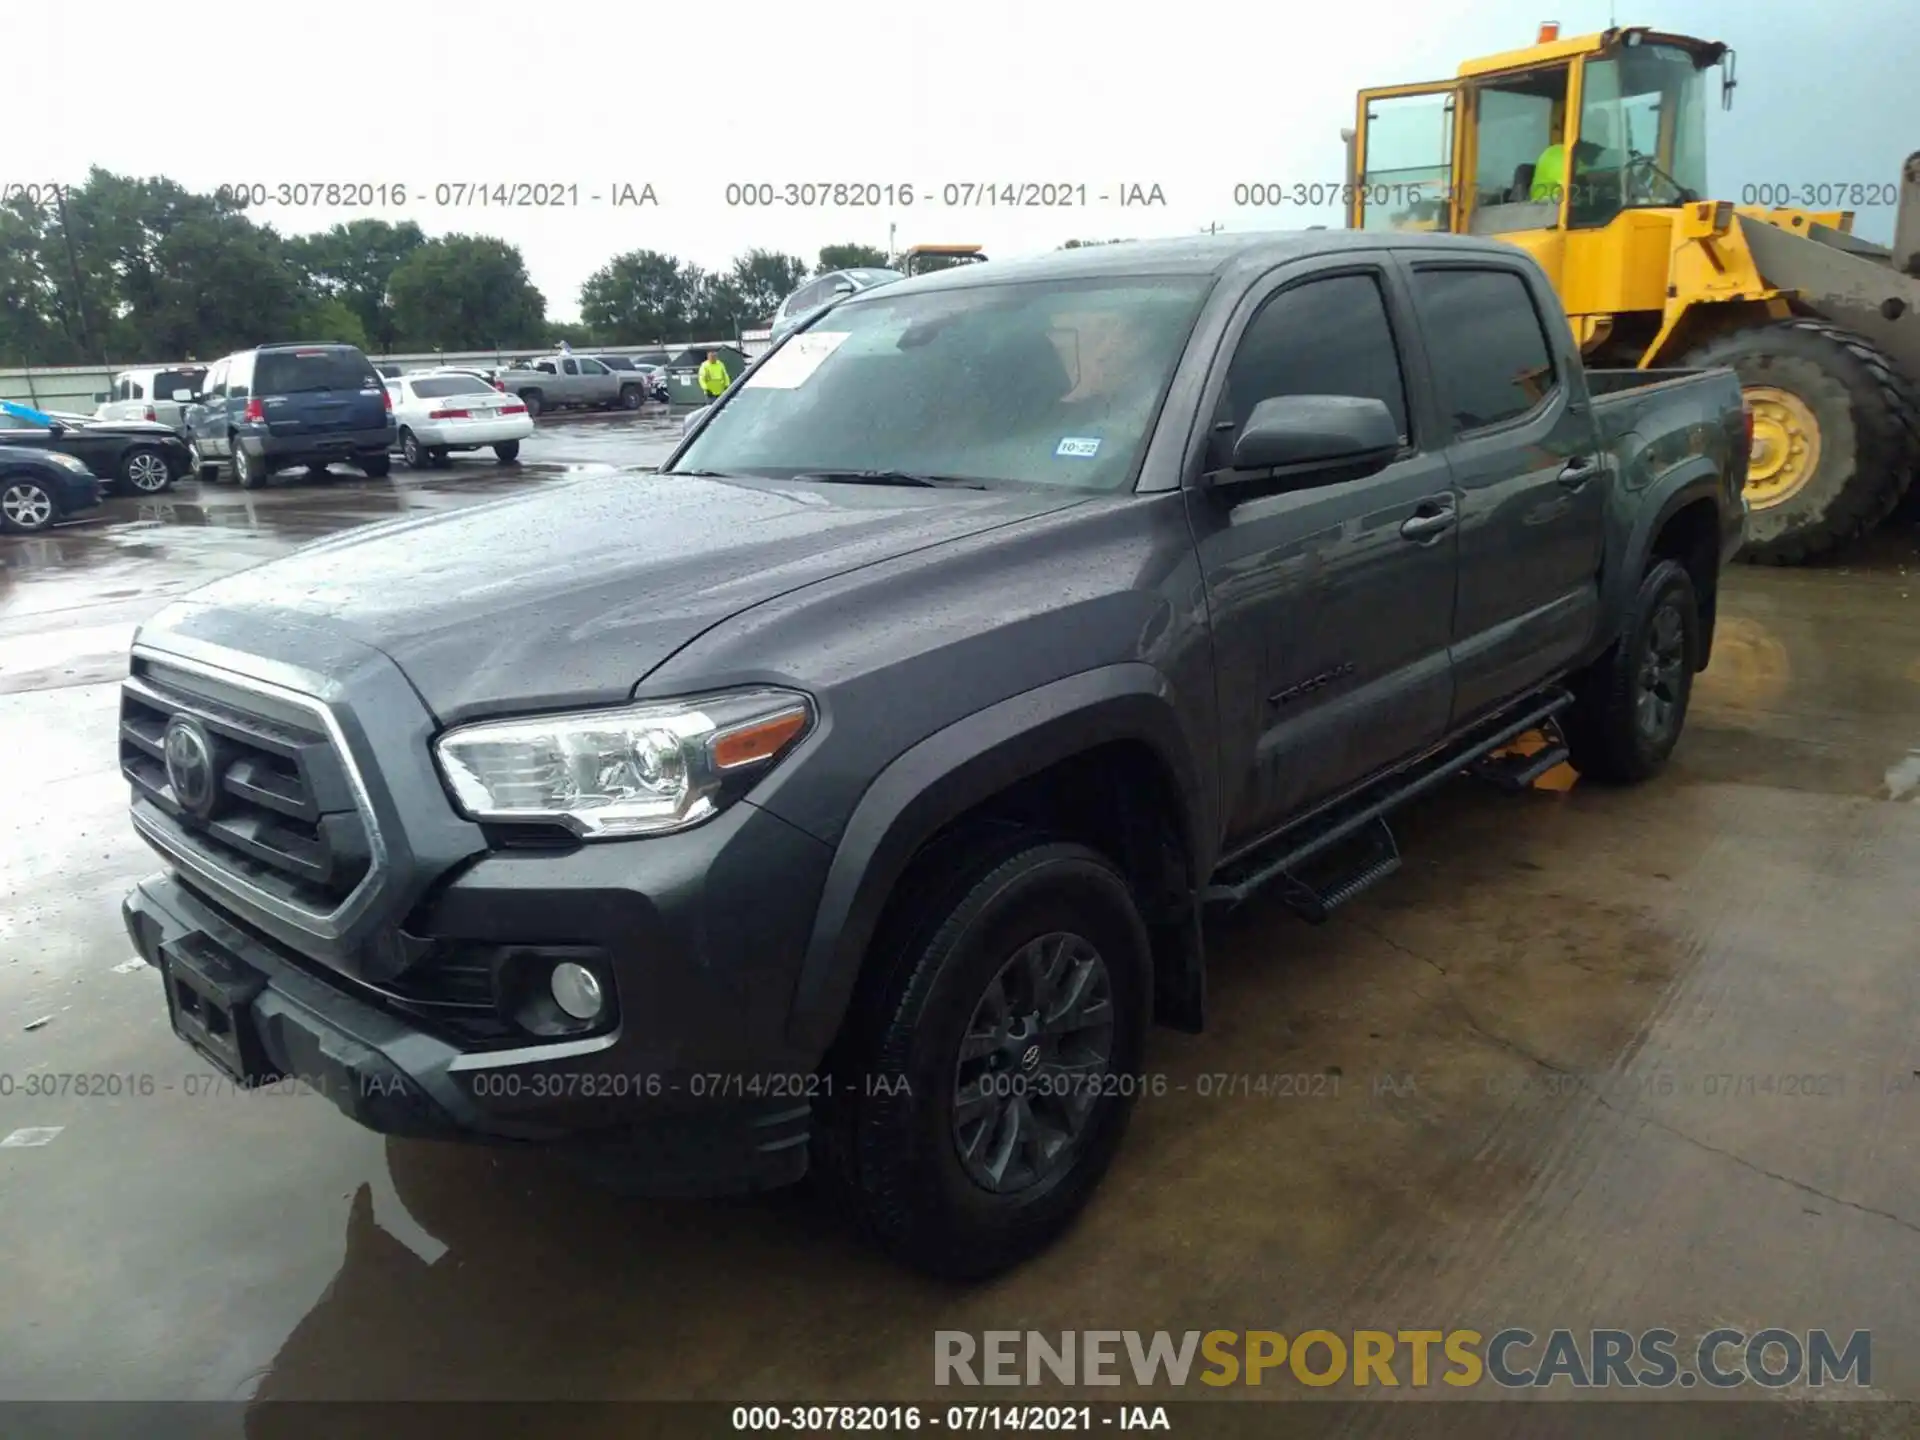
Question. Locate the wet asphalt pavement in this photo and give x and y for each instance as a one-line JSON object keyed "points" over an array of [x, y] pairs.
{"points": [[1628, 1059]]}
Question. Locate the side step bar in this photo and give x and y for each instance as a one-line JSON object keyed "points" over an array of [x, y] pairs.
{"points": [[1334, 853]]}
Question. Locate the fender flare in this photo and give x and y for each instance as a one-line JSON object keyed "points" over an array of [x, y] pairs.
{"points": [[948, 773], [1695, 480]]}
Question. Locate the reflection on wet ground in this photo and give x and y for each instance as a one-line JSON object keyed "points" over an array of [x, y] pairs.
{"points": [[1594, 1058]]}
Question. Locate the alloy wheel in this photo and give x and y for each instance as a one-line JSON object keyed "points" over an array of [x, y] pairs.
{"points": [[27, 506], [1662, 674], [1035, 1054], [147, 473]]}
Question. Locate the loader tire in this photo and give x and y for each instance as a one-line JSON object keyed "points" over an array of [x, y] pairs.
{"points": [[1866, 416]]}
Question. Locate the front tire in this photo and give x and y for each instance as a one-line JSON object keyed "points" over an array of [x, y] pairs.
{"points": [[507, 451], [1836, 435], [1631, 705], [144, 471], [412, 451], [989, 1067], [535, 403], [26, 506]]}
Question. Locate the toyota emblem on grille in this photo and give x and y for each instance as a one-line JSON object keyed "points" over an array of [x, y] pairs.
{"points": [[190, 766]]}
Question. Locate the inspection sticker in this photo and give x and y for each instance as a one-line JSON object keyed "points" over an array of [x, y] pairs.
{"points": [[1075, 445], [793, 364]]}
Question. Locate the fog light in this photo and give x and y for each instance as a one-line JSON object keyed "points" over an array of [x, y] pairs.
{"points": [[576, 990]]}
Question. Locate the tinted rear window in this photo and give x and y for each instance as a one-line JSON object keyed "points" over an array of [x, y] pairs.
{"points": [[435, 387], [168, 381], [288, 372]]}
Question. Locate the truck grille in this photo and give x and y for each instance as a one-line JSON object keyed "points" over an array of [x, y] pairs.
{"points": [[263, 799]]}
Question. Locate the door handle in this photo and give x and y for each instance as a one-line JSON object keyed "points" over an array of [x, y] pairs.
{"points": [[1577, 473], [1425, 527]]}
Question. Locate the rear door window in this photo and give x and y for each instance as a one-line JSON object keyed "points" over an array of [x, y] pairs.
{"points": [[295, 372], [1491, 360], [166, 382]]}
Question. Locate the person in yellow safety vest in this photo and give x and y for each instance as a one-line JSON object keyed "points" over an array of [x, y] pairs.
{"points": [[713, 376], [1550, 174]]}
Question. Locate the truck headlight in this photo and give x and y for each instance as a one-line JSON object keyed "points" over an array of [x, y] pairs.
{"points": [[636, 770]]}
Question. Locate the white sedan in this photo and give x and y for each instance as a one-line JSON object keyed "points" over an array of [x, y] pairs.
{"points": [[436, 414]]}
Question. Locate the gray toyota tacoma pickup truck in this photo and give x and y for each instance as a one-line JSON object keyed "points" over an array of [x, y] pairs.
{"points": [[847, 797]]}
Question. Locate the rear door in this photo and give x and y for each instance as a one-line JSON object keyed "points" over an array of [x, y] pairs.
{"points": [[1533, 482], [319, 390]]}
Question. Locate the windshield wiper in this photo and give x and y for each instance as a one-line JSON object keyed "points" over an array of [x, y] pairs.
{"points": [[890, 477]]}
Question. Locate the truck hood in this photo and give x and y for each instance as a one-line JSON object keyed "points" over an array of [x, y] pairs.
{"points": [[572, 594]]}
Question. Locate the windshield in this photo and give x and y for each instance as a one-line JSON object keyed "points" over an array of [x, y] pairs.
{"points": [[288, 372], [1643, 133], [1043, 384]]}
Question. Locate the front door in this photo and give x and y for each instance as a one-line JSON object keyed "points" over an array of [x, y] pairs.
{"points": [[1405, 155], [1533, 481], [208, 420], [1331, 615]]}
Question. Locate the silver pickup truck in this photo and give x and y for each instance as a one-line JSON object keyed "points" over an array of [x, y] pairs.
{"points": [[555, 382]]}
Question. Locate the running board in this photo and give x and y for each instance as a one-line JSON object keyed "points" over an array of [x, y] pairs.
{"points": [[1303, 858], [1515, 772]]}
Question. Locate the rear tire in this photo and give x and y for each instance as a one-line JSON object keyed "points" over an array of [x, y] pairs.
{"points": [[535, 403], [630, 397], [1867, 416], [440, 457], [1631, 704], [507, 451], [145, 471], [412, 451], [203, 472], [912, 1116], [376, 467]]}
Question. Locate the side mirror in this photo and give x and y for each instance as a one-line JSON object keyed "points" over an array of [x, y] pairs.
{"points": [[843, 287], [183, 397], [1305, 440]]}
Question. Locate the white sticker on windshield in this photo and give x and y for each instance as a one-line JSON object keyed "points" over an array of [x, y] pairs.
{"points": [[793, 363], [1085, 449]]}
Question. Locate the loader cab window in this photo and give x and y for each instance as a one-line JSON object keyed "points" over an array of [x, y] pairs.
{"points": [[1643, 128], [1518, 120]]}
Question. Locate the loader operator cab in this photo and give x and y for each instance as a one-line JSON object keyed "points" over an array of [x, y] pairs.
{"points": [[1549, 142]]}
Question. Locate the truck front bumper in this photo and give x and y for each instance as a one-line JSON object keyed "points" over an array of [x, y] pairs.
{"points": [[678, 1098]]}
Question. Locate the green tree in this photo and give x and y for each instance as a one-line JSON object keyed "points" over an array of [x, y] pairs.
{"points": [[718, 310], [762, 279], [850, 257], [466, 292], [639, 297], [354, 264]]}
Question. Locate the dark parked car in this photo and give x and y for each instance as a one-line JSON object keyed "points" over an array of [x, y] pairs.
{"points": [[40, 488], [848, 794], [133, 456], [278, 406]]}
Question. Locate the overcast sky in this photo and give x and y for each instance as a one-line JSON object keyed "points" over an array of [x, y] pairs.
{"points": [[1193, 97]]}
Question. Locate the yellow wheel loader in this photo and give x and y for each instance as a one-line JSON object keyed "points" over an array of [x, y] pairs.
{"points": [[921, 259], [1590, 153]]}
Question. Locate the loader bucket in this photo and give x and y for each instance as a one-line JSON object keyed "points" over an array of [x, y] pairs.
{"points": [[1847, 280]]}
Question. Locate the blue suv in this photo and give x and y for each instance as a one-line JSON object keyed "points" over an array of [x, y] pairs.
{"points": [[277, 406]]}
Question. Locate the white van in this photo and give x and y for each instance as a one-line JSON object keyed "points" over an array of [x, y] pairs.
{"points": [[159, 393]]}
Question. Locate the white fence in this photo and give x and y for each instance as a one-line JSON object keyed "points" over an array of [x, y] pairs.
{"points": [[80, 388]]}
